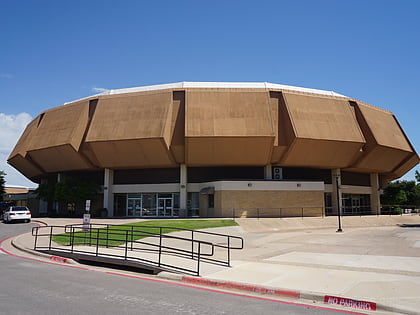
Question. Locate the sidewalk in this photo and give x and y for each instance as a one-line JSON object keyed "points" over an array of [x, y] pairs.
{"points": [[373, 260]]}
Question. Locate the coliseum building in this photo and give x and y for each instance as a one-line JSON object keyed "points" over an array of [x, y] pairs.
{"points": [[219, 149]]}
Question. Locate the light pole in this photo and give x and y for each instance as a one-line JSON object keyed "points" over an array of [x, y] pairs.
{"points": [[337, 176]]}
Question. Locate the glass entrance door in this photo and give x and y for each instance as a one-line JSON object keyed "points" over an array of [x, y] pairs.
{"points": [[165, 207], [134, 207], [355, 205]]}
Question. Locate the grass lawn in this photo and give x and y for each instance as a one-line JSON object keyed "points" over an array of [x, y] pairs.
{"points": [[118, 234]]}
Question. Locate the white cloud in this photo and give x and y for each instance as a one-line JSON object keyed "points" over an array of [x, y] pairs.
{"points": [[99, 90], [11, 127]]}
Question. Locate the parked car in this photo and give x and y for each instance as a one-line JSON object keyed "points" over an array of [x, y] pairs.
{"points": [[17, 213], [4, 205]]}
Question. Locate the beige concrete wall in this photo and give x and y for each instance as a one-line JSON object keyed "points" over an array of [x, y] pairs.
{"points": [[203, 210], [290, 202]]}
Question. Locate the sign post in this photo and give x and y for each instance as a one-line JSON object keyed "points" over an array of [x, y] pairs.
{"points": [[86, 217]]}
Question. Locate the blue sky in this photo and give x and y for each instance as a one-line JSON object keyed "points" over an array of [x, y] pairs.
{"points": [[58, 51]]}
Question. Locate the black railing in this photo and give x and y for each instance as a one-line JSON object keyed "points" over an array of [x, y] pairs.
{"points": [[127, 242], [400, 209], [283, 212], [289, 212]]}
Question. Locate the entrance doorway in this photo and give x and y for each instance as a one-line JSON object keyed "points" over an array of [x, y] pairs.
{"points": [[147, 204], [165, 206], [134, 207], [355, 205]]}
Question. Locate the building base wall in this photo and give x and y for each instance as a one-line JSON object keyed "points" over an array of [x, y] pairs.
{"points": [[238, 203]]}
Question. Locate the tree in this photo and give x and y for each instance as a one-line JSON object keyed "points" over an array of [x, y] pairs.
{"points": [[401, 198], [71, 190], [417, 176], [2, 184], [401, 193]]}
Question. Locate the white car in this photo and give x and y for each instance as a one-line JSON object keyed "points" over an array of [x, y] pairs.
{"points": [[17, 213]]}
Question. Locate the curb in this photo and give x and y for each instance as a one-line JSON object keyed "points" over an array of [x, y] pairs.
{"points": [[347, 303], [241, 286], [40, 222], [15, 244]]}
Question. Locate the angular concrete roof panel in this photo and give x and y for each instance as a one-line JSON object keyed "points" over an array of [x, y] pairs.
{"points": [[132, 130], [228, 126], [214, 124], [387, 146]]}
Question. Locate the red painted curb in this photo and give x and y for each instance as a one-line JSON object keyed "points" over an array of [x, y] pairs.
{"points": [[59, 259], [361, 305], [240, 286], [171, 283]]}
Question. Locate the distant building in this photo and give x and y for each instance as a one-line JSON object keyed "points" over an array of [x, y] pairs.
{"points": [[219, 149], [22, 196], [15, 189]]}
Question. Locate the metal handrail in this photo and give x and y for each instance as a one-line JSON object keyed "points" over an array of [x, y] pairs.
{"points": [[240, 239], [276, 212], [201, 251], [228, 238]]}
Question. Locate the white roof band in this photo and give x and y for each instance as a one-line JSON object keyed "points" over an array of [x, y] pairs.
{"points": [[215, 85]]}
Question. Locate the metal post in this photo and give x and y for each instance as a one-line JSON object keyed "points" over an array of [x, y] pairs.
{"points": [[97, 241], [49, 246], [228, 250], [126, 245], [132, 237], [338, 204], [192, 244], [198, 258], [36, 237], [160, 245], [72, 238]]}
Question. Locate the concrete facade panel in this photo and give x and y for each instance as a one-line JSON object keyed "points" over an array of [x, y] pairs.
{"points": [[64, 125], [321, 153], [130, 117], [25, 166], [405, 166], [384, 127], [215, 113], [382, 159], [59, 159], [23, 143], [216, 151], [322, 118], [132, 153]]}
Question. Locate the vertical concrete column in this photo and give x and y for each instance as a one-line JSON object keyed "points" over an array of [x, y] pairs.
{"points": [[336, 196], [268, 174], [183, 187], [43, 205], [108, 191], [56, 206], [375, 201]]}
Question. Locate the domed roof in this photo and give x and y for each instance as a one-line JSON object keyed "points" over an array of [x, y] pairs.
{"points": [[214, 124]]}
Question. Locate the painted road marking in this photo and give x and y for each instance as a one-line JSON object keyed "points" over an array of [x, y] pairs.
{"points": [[361, 305]]}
